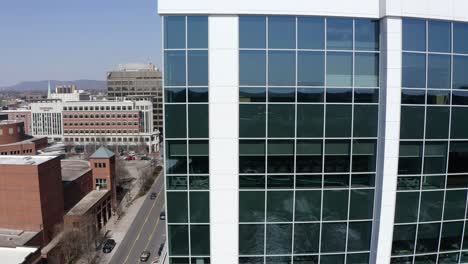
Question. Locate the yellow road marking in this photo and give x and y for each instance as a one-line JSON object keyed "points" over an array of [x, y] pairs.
{"points": [[146, 220]]}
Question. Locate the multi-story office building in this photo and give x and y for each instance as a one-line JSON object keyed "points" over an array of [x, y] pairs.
{"points": [[138, 82], [68, 93], [122, 124], [325, 132]]}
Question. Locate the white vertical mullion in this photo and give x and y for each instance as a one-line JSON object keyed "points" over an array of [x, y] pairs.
{"points": [[266, 138], [295, 149]]}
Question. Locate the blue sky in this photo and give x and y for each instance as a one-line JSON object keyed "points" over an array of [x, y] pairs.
{"points": [[69, 40]]}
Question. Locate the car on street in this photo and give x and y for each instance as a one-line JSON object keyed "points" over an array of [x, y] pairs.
{"points": [[161, 247], [144, 256], [108, 245], [153, 195], [145, 158], [130, 158], [162, 216]]}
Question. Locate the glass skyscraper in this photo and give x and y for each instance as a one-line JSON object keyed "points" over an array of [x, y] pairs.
{"points": [[332, 132]]}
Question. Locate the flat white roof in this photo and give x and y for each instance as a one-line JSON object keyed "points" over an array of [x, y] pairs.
{"points": [[24, 160], [15, 255]]}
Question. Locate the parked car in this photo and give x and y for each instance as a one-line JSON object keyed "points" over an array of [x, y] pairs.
{"points": [[108, 245], [130, 158], [144, 256], [162, 216], [145, 158], [161, 247], [153, 195]]}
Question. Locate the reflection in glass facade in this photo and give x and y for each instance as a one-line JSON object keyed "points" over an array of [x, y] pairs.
{"points": [[430, 211], [186, 138], [308, 114]]}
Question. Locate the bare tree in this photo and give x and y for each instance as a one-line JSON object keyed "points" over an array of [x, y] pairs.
{"points": [[121, 172]]}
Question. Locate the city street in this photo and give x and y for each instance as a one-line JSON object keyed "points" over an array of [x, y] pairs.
{"points": [[147, 231]]}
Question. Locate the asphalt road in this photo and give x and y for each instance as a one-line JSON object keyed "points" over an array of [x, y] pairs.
{"points": [[147, 232]]}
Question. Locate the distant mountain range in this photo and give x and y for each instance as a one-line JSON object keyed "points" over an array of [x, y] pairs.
{"points": [[40, 86]]}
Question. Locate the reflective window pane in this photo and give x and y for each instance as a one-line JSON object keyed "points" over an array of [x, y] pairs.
{"points": [[367, 34], [276, 94], [198, 157], [251, 240], [459, 127], [308, 156], [310, 33], [438, 72], [197, 32], [438, 97], [455, 202], [252, 94], [335, 205], [252, 182], [339, 33], [311, 95], [251, 206], [440, 37], [428, 238], [412, 122], [176, 153], [197, 64], [410, 158], [366, 70], [338, 121], [281, 120], [359, 236], [178, 240], [362, 204], [366, 95], [460, 78], [281, 68], [406, 209], [364, 154], [310, 68], [339, 69], [337, 155], [365, 120], [177, 208], [197, 120], [339, 95], [198, 95], [252, 120], [451, 236], [333, 237], [175, 95], [280, 156], [309, 120], [175, 116], [200, 240], [281, 32], [413, 96], [252, 156], [414, 34], [435, 157], [199, 207], [431, 206], [279, 206], [278, 239], [308, 205], [403, 240], [460, 38], [252, 32], [252, 67], [306, 238], [414, 70], [174, 32], [458, 157], [174, 71]]}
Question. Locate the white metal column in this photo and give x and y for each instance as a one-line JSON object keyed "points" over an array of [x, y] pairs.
{"points": [[224, 131], [389, 137]]}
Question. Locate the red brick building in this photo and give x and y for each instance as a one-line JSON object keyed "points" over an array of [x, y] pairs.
{"points": [[15, 141], [20, 115], [31, 196]]}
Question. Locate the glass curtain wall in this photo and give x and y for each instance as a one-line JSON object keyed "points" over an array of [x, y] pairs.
{"points": [[186, 138], [308, 112], [430, 212]]}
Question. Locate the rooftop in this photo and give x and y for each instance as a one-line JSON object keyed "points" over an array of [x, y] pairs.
{"points": [[8, 122], [15, 238], [102, 153], [26, 141], [87, 202], [73, 169], [16, 255], [25, 160]]}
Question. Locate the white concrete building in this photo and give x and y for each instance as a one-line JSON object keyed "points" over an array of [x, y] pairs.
{"points": [[336, 131]]}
